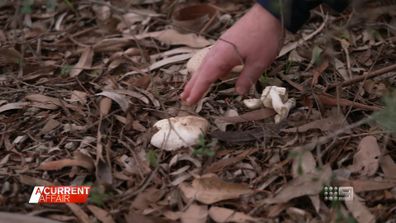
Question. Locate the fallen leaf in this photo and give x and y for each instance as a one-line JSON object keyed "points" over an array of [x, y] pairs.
{"points": [[317, 71], [50, 125], [161, 63], [224, 163], [249, 116], [85, 62], [33, 181], [12, 106], [172, 37], [388, 166], [309, 184], [23, 218], [367, 185], [366, 160], [210, 189], [79, 213], [303, 164], [144, 199], [134, 217], [222, 215], [10, 56], [78, 96], [242, 136], [195, 214], [327, 124], [101, 214], [222, 125], [197, 18], [48, 102], [359, 211], [105, 105], [121, 100], [80, 160]]}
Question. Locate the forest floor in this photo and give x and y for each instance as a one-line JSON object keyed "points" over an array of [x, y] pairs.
{"points": [[83, 82]]}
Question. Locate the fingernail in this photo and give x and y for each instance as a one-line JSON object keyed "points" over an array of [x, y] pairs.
{"points": [[182, 95], [189, 101]]}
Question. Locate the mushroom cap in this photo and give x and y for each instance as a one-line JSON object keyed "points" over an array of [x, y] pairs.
{"points": [[178, 132], [253, 103]]}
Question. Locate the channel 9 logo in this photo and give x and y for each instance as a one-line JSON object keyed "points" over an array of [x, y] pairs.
{"points": [[338, 193]]}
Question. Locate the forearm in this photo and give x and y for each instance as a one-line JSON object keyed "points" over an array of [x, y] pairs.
{"points": [[294, 13]]}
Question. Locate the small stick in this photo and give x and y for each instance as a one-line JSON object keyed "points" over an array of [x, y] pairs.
{"points": [[375, 73]]}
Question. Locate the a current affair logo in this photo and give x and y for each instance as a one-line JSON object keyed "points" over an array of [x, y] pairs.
{"points": [[59, 194]]}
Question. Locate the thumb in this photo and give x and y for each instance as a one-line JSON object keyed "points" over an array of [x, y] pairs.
{"points": [[249, 75]]}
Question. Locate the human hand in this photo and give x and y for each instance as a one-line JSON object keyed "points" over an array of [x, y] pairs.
{"points": [[254, 40]]}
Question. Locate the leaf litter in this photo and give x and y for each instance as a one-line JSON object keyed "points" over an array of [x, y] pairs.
{"points": [[83, 83]]}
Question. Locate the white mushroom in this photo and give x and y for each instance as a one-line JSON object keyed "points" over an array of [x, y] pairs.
{"points": [[178, 132], [276, 98], [253, 103]]}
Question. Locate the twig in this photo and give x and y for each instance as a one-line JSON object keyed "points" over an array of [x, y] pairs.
{"points": [[373, 74]]}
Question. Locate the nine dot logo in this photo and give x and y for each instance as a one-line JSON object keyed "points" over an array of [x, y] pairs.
{"points": [[338, 193]]}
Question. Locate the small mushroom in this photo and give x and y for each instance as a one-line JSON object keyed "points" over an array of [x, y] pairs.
{"points": [[253, 103], [276, 98], [175, 133], [196, 60]]}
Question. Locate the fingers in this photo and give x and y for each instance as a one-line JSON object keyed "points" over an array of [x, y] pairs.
{"points": [[218, 62], [208, 73], [250, 74]]}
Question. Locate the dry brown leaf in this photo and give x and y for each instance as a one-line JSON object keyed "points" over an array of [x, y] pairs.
{"points": [[366, 160], [33, 181], [222, 215], [10, 56], [85, 62], [224, 163], [134, 94], [249, 116], [161, 63], [309, 184], [222, 125], [210, 189], [359, 211], [45, 102], [243, 136], [101, 214], [388, 166], [12, 106], [79, 213], [367, 185], [144, 199], [172, 37], [196, 18], [328, 124], [80, 160], [303, 164], [317, 71], [23, 218], [195, 214], [78, 96], [50, 125], [121, 100], [133, 217], [105, 106]]}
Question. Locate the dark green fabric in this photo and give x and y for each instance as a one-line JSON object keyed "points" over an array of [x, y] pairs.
{"points": [[294, 13]]}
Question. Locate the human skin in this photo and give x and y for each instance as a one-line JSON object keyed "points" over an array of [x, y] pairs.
{"points": [[257, 36]]}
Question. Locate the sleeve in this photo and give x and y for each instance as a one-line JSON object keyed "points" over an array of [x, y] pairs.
{"points": [[294, 13]]}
